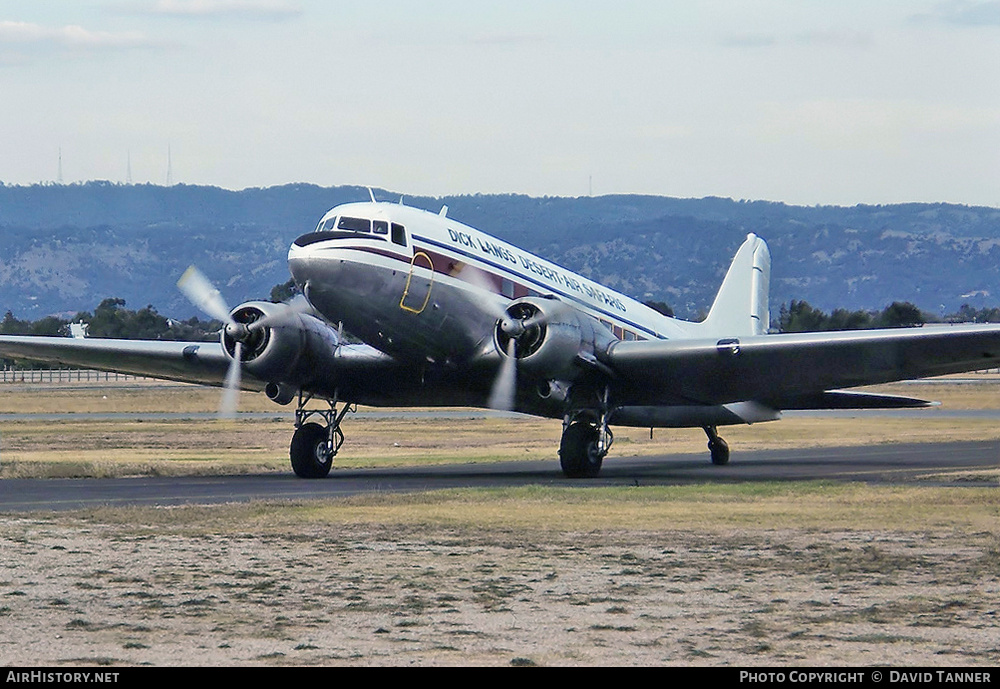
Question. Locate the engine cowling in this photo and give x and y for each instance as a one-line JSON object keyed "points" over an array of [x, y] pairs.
{"points": [[549, 337], [290, 348]]}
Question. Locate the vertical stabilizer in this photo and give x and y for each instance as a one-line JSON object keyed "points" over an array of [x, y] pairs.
{"points": [[741, 307]]}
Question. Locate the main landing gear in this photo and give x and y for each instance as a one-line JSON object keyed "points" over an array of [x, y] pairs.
{"points": [[315, 445], [586, 439], [581, 452], [717, 446]]}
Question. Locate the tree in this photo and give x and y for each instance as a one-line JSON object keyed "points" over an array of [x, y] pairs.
{"points": [[661, 307], [13, 326], [107, 320], [842, 319], [284, 291], [800, 317], [901, 314]]}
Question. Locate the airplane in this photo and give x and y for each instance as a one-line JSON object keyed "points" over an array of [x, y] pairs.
{"points": [[446, 315]]}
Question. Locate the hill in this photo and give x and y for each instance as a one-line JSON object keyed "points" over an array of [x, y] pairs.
{"points": [[64, 248]]}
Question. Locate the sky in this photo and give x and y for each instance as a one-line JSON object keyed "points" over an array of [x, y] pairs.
{"points": [[800, 101]]}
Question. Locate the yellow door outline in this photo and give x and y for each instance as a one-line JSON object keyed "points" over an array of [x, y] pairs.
{"points": [[409, 277]]}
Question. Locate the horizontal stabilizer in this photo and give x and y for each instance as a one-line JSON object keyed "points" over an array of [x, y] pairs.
{"points": [[844, 399]]}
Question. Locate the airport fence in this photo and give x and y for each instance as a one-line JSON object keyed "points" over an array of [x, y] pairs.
{"points": [[64, 375], [74, 375]]}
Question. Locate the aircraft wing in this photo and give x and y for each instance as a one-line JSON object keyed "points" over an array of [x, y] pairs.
{"points": [[355, 368], [190, 362], [794, 370]]}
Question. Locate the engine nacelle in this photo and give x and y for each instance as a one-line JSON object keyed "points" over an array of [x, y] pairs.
{"points": [[289, 349], [549, 337]]}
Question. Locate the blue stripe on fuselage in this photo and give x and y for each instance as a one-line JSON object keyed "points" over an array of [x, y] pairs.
{"points": [[504, 270]]}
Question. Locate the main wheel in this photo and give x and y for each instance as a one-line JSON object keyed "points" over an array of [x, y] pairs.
{"points": [[310, 451], [579, 456]]}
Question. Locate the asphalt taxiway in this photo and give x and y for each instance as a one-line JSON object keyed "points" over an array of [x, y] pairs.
{"points": [[953, 463]]}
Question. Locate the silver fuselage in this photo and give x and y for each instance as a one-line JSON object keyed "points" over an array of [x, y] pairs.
{"points": [[427, 293]]}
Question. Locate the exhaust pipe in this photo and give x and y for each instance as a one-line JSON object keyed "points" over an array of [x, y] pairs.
{"points": [[280, 393]]}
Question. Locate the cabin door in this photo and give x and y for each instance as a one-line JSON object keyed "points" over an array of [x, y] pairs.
{"points": [[419, 282]]}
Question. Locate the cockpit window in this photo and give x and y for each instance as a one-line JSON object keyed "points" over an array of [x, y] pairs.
{"points": [[398, 235], [352, 229], [355, 224]]}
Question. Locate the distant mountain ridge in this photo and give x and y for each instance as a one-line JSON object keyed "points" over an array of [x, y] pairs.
{"points": [[64, 248]]}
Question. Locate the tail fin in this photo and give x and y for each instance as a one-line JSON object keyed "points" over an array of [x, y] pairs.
{"points": [[741, 307]]}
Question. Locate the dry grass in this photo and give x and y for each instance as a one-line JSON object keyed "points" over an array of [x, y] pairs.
{"points": [[94, 447], [809, 506]]}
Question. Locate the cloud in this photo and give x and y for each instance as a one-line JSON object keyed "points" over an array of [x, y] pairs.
{"points": [[964, 13], [750, 41], [69, 37], [837, 39], [246, 9]]}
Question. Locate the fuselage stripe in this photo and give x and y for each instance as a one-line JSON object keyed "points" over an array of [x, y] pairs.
{"points": [[506, 272]]}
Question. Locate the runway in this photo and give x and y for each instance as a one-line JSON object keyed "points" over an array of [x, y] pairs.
{"points": [[955, 464]]}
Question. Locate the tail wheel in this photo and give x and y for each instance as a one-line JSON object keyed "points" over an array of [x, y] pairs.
{"points": [[310, 451], [579, 452], [720, 451]]}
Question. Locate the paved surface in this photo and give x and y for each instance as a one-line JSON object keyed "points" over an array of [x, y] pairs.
{"points": [[960, 464]]}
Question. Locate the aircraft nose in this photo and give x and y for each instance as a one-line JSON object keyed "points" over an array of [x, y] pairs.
{"points": [[307, 258], [310, 238], [298, 257]]}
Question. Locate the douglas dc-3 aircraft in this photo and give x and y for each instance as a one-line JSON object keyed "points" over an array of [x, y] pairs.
{"points": [[451, 316]]}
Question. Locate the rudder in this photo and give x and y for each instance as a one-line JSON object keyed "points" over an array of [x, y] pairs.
{"points": [[742, 304]]}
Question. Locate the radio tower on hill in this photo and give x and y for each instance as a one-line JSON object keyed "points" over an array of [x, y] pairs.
{"points": [[59, 179], [170, 169]]}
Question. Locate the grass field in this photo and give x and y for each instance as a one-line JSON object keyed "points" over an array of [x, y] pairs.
{"points": [[94, 447]]}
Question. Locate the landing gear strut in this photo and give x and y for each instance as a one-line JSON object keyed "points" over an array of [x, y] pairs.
{"points": [[314, 445], [586, 439], [717, 446]]}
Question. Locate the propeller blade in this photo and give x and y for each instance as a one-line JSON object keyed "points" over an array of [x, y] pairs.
{"points": [[203, 294], [529, 323], [505, 385], [479, 279], [284, 317], [231, 392]]}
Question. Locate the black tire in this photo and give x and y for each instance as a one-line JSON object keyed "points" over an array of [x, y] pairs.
{"points": [[308, 451], [720, 452], [578, 455]]}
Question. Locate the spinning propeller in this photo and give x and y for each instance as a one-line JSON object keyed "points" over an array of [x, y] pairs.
{"points": [[520, 329], [203, 294]]}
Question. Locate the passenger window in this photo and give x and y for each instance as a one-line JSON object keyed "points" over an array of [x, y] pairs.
{"points": [[355, 224], [398, 235], [507, 288], [380, 227], [629, 336]]}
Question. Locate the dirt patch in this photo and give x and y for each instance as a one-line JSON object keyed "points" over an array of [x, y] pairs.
{"points": [[79, 592]]}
